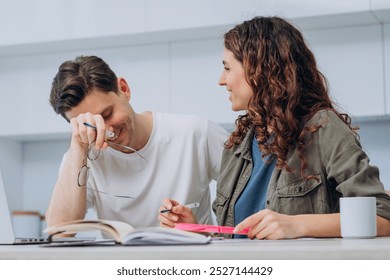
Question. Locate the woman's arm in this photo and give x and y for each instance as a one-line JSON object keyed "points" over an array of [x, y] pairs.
{"points": [[267, 224]]}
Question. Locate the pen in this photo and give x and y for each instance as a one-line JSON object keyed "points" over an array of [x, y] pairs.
{"points": [[191, 206], [109, 134]]}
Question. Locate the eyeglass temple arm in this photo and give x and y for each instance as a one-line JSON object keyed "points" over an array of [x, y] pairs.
{"points": [[128, 148]]}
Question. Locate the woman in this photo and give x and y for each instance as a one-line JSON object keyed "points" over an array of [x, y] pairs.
{"points": [[293, 154]]}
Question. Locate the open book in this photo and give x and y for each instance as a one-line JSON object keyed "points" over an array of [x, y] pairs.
{"points": [[125, 234]]}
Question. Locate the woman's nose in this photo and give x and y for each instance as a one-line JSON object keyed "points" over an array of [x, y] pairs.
{"points": [[221, 81]]}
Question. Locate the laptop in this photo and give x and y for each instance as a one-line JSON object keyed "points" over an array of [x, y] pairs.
{"points": [[7, 235]]}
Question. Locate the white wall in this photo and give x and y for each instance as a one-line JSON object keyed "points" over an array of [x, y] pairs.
{"points": [[41, 163], [171, 71], [375, 140], [352, 60]]}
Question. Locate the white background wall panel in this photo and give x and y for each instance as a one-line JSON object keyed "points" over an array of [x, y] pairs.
{"points": [[41, 163], [387, 65], [24, 21], [196, 67], [26, 82], [351, 58], [146, 69]]}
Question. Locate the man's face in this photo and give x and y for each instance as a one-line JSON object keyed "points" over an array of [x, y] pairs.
{"points": [[114, 109]]}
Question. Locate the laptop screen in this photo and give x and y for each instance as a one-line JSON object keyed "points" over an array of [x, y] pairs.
{"points": [[6, 230], [7, 235]]}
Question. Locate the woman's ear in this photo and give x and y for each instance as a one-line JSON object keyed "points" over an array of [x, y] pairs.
{"points": [[124, 88]]}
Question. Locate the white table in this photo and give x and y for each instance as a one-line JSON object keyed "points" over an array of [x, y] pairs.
{"points": [[301, 249]]}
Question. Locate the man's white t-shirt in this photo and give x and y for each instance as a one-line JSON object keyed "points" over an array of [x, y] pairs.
{"points": [[183, 155]]}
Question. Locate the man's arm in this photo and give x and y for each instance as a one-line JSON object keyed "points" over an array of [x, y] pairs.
{"points": [[68, 201]]}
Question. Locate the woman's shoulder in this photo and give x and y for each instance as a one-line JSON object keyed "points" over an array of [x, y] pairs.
{"points": [[332, 126], [326, 117]]}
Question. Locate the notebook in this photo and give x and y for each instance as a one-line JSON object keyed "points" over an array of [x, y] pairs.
{"points": [[7, 235]]}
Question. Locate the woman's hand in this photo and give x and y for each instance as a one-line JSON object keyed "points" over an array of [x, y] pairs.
{"points": [[178, 214], [267, 224]]}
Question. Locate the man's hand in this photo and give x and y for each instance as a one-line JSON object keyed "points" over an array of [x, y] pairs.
{"points": [[178, 214]]}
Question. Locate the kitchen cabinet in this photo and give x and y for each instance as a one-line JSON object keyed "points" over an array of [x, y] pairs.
{"points": [[381, 8]]}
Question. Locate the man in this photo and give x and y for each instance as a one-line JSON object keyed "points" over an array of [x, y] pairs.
{"points": [[123, 163]]}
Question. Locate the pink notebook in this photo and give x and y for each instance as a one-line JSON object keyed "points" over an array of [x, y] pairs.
{"points": [[209, 228]]}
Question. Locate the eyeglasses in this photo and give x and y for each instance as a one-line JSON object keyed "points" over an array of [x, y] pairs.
{"points": [[110, 134], [110, 143], [93, 154]]}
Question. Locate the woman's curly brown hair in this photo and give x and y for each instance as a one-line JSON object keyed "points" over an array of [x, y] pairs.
{"points": [[288, 88]]}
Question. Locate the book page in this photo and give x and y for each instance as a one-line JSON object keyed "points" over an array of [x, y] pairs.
{"points": [[114, 229], [164, 236]]}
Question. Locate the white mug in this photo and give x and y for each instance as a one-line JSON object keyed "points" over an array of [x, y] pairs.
{"points": [[358, 217]]}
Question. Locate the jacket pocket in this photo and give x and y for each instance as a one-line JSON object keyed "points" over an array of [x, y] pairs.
{"points": [[220, 205], [296, 195]]}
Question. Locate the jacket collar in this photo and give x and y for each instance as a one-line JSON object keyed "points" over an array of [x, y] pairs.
{"points": [[245, 147]]}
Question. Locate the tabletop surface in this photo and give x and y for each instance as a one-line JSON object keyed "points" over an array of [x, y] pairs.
{"points": [[301, 249]]}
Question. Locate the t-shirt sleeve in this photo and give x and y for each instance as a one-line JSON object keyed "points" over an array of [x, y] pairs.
{"points": [[216, 137]]}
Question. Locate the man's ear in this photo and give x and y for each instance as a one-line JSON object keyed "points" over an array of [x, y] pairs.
{"points": [[124, 88]]}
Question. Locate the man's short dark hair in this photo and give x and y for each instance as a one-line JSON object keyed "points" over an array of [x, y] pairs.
{"points": [[77, 78]]}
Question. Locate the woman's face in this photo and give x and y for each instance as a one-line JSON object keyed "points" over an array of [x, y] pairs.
{"points": [[233, 77]]}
